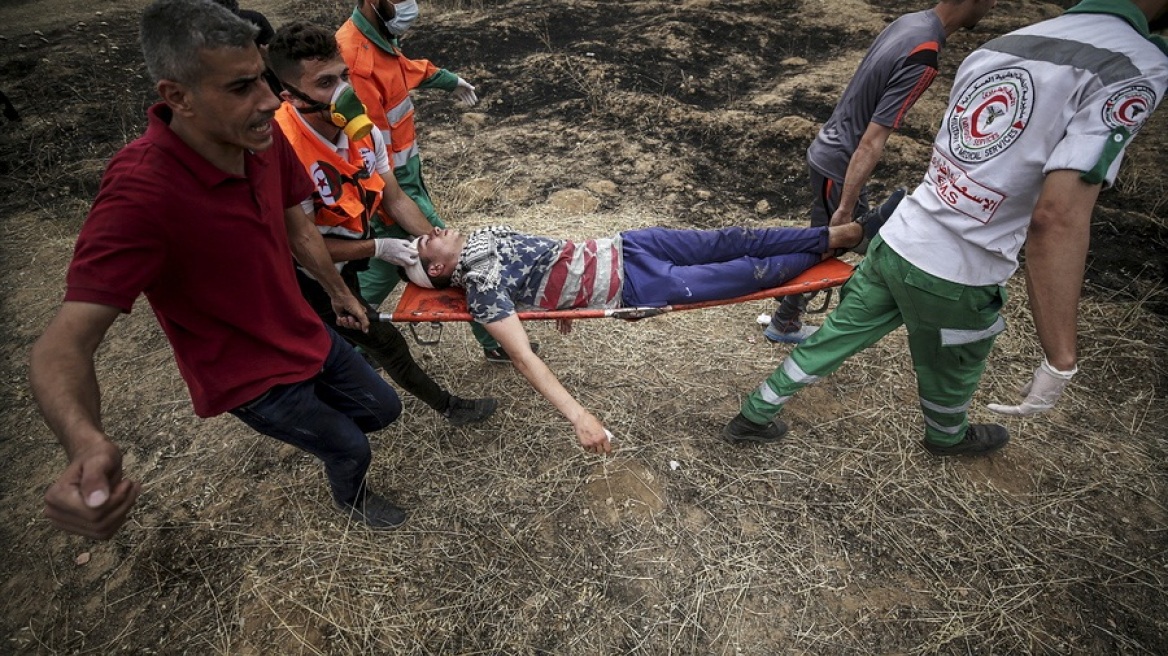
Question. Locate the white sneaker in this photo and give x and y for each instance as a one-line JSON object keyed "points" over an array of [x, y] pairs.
{"points": [[793, 337]]}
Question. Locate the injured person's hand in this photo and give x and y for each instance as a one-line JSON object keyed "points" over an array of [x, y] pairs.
{"points": [[593, 436]]}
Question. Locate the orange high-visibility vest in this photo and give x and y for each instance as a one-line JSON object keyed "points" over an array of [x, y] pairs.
{"points": [[348, 192], [383, 82]]}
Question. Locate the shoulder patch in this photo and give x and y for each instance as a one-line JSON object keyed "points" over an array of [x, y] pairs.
{"points": [[370, 160], [1129, 108], [990, 113]]}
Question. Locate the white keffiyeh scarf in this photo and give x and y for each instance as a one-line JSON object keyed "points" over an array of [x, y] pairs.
{"points": [[479, 264]]}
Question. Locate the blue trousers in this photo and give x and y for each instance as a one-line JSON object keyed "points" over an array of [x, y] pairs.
{"points": [[664, 266], [328, 416]]}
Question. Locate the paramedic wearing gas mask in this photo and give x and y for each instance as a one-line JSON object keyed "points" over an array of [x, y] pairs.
{"points": [[347, 160], [384, 77]]}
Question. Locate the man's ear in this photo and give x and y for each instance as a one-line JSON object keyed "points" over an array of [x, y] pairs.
{"points": [[176, 95], [435, 270]]}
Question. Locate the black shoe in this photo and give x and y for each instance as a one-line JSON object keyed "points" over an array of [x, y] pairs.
{"points": [[376, 511], [874, 219], [497, 354], [979, 440], [468, 411], [741, 430]]}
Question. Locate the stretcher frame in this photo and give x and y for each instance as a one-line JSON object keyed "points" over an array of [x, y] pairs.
{"points": [[438, 306]]}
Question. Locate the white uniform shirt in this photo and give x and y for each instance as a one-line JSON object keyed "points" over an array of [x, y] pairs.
{"points": [[1067, 93]]}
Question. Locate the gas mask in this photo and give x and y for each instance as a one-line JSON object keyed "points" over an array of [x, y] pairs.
{"points": [[404, 15], [345, 110], [348, 112]]}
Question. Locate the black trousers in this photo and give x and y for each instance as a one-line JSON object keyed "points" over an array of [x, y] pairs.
{"points": [[384, 342]]}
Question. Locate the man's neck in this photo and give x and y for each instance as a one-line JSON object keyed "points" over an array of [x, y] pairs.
{"points": [[323, 127], [225, 157], [951, 16], [370, 15]]}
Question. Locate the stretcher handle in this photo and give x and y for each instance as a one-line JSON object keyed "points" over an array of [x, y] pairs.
{"points": [[435, 328], [826, 293]]}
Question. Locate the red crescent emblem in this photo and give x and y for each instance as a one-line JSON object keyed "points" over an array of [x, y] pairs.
{"points": [[1130, 109], [977, 134]]}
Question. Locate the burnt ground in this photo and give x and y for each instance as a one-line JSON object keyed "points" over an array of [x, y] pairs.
{"points": [[595, 116]]}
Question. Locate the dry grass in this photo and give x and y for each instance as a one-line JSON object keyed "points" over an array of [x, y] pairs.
{"points": [[848, 538], [845, 539]]}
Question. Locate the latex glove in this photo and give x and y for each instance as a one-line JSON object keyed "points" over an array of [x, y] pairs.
{"points": [[396, 251], [464, 93], [1041, 393]]}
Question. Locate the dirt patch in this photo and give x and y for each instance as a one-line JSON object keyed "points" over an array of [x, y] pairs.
{"points": [[596, 117]]}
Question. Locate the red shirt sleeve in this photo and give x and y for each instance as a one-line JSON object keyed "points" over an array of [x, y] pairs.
{"points": [[120, 250]]}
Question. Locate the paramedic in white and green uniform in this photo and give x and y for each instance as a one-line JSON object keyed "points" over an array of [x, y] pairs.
{"points": [[1037, 123]]}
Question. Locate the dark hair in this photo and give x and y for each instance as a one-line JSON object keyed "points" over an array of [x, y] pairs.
{"points": [[258, 19], [441, 282], [174, 31], [296, 42], [229, 5]]}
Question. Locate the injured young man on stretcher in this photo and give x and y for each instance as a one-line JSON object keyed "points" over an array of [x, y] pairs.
{"points": [[500, 269]]}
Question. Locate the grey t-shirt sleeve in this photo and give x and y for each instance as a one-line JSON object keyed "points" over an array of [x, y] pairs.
{"points": [[905, 86]]}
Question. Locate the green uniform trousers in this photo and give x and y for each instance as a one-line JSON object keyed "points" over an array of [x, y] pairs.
{"points": [[951, 329], [378, 281]]}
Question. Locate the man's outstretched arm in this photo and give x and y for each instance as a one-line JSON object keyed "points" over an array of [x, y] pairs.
{"points": [[1056, 255], [402, 208], [860, 169], [90, 497], [513, 338], [312, 253]]}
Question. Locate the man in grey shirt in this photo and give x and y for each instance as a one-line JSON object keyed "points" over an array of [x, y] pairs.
{"points": [[899, 66]]}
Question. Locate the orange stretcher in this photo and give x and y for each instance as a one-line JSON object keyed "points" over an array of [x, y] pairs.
{"points": [[437, 306]]}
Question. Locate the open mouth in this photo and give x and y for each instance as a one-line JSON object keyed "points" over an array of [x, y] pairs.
{"points": [[262, 127]]}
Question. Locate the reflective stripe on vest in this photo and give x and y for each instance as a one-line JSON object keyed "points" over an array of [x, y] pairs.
{"points": [[400, 159], [402, 110], [384, 80]]}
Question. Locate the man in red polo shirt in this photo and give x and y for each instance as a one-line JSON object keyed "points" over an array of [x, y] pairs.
{"points": [[202, 215]]}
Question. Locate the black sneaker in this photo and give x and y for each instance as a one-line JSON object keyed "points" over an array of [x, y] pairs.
{"points": [[741, 430], [497, 354], [468, 411], [979, 440], [376, 511], [874, 219]]}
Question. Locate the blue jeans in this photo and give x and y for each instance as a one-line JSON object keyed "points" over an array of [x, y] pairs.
{"points": [[665, 267], [328, 416]]}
